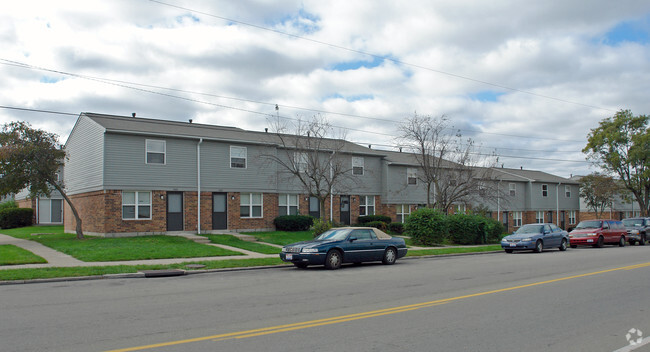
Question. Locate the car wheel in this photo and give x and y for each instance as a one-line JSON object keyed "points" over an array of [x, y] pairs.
{"points": [[390, 256], [539, 246], [621, 242], [509, 250], [642, 240], [563, 245], [600, 243], [300, 265], [333, 259], [574, 246]]}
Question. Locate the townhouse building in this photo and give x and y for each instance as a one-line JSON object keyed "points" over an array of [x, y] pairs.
{"points": [[132, 176]]}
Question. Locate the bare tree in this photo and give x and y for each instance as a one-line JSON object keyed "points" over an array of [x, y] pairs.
{"points": [[452, 168], [308, 156]]}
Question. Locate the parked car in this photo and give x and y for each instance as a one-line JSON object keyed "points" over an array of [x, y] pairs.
{"points": [[345, 245], [597, 233], [536, 237], [637, 229]]}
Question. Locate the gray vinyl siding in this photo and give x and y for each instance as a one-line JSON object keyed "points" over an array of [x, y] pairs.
{"points": [[367, 184], [399, 192], [85, 157], [517, 202], [125, 166], [216, 174]]}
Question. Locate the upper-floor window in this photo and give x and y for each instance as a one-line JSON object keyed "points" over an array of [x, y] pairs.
{"points": [[300, 160], [250, 205], [512, 188], [411, 176], [288, 204], [357, 165], [136, 205], [156, 150], [238, 157], [544, 190], [567, 191], [366, 205]]}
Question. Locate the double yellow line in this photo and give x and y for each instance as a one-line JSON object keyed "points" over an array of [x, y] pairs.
{"points": [[365, 315]]}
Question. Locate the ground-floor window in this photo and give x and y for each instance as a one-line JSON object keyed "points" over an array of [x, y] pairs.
{"points": [[136, 205], [516, 218], [403, 211], [288, 204], [460, 208], [50, 211], [366, 205], [572, 217], [250, 205], [539, 217]]}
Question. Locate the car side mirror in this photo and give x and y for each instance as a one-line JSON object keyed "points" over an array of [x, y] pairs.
{"points": [[352, 239], [546, 232]]}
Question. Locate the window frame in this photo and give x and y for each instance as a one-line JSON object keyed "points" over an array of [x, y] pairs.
{"points": [[517, 217], [288, 205], [136, 206], [512, 189], [146, 151], [544, 190], [572, 217], [364, 204], [358, 162], [251, 205], [539, 217], [411, 174], [301, 161], [400, 212], [245, 150], [567, 191]]}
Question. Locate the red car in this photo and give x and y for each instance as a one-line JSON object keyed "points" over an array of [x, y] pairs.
{"points": [[597, 233]]}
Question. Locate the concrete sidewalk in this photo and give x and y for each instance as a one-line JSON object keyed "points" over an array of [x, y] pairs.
{"points": [[58, 259]]}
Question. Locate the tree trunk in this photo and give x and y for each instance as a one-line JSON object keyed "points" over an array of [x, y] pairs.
{"points": [[80, 234]]}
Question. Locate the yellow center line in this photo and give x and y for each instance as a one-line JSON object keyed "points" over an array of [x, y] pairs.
{"points": [[365, 315]]}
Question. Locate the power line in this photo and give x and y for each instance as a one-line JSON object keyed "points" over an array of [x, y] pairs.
{"points": [[376, 56]]}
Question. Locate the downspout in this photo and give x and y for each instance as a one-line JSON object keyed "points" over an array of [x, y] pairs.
{"points": [[198, 183], [499, 201], [332, 189], [557, 204]]}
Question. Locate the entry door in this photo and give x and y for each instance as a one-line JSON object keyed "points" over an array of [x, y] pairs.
{"points": [[549, 216], [219, 211], [174, 211], [314, 207], [505, 221], [562, 219], [345, 210]]}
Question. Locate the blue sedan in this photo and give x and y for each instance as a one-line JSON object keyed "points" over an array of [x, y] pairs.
{"points": [[345, 245], [536, 237]]}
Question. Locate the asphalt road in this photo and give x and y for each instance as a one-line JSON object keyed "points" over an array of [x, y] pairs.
{"points": [[584, 299]]}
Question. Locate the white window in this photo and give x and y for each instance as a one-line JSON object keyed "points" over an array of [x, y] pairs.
{"points": [[567, 191], [460, 208], [300, 160], [288, 204], [572, 217], [411, 176], [136, 205], [50, 211], [516, 217], [366, 205], [539, 217], [156, 150], [250, 205], [544, 190], [357, 165], [513, 189], [403, 211], [238, 157]]}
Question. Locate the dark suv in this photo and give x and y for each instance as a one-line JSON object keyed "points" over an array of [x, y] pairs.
{"points": [[637, 229]]}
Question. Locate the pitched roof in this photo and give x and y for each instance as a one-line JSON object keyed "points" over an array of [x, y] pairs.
{"points": [[506, 174]]}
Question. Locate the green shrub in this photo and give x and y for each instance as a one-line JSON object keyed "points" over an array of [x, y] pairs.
{"points": [[10, 204], [494, 230], [320, 226], [396, 227], [363, 220], [426, 226], [16, 217], [474, 229], [293, 222], [377, 224]]}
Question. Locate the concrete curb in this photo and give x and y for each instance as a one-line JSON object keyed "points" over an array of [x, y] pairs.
{"points": [[175, 272]]}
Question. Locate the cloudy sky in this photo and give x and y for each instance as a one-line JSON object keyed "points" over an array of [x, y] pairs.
{"points": [[525, 79]]}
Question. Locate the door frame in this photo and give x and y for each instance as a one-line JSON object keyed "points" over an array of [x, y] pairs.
{"points": [[182, 211], [214, 227]]}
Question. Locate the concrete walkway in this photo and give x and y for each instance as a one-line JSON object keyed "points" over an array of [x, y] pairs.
{"points": [[58, 259]]}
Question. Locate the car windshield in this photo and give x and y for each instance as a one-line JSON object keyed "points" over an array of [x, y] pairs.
{"points": [[530, 229], [334, 234], [592, 224], [633, 222]]}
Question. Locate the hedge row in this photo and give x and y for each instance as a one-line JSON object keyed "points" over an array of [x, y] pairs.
{"points": [[16, 217], [429, 227], [293, 222]]}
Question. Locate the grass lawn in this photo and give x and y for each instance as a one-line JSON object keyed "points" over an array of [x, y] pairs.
{"points": [[233, 241], [281, 237], [452, 250], [46, 273], [13, 255], [100, 249]]}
